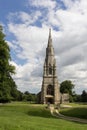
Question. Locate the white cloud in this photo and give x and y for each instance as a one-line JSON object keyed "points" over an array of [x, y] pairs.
{"points": [[24, 17], [31, 39], [43, 3], [10, 44], [29, 19], [69, 3], [24, 79], [70, 42]]}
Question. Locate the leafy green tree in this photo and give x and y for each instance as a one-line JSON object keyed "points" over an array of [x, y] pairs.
{"points": [[29, 97], [67, 87], [84, 96], [77, 98], [7, 84], [26, 93]]}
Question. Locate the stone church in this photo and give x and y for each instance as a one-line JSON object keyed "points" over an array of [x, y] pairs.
{"points": [[50, 86]]}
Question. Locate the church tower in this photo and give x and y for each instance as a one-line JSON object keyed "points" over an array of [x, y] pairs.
{"points": [[50, 87]]}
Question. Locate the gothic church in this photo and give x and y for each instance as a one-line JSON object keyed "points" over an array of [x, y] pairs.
{"points": [[50, 86]]}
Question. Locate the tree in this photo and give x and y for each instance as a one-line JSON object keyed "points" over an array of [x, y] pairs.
{"points": [[66, 87], [29, 97], [84, 96], [7, 84], [77, 98]]}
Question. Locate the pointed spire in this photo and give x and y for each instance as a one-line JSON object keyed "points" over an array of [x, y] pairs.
{"points": [[50, 38], [49, 32]]}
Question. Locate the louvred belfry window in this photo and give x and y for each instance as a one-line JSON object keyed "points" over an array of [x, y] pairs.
{"points": [[50, 70]]}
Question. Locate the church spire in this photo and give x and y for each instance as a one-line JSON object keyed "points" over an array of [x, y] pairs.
{"points": [[50, 38], [50, 87], [49, 32], [50, 49]]}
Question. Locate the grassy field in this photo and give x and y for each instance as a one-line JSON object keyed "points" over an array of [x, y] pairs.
{"points": [[77, 104], [24, 116], [78, 110]]}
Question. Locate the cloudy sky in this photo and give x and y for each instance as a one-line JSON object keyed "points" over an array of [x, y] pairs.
{"points": [[26, 24]]}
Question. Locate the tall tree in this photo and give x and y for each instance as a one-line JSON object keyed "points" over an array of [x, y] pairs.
{"points": [[84, 96], [66, 87], [6, 70]]}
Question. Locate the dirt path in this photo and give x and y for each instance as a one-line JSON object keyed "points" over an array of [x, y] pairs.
{"points": [[56, 113]]}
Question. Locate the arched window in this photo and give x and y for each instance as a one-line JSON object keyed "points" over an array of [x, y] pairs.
{"points": [[50, 90], [50, 70]]}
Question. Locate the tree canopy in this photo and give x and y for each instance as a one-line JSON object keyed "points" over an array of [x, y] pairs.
{"points": [[8, 88], [66, 87], [84, 96]]}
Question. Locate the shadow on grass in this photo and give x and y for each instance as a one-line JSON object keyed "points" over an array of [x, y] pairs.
{"points": [[75, 112], [45, 113]]}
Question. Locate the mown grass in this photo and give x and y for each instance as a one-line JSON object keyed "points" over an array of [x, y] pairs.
{"points": [[80, 112], [24, 116], [78, 104]]}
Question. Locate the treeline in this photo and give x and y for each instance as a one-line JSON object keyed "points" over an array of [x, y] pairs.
{"points": [[67, 87], [31, 97], [80, 97], [26, 96]]}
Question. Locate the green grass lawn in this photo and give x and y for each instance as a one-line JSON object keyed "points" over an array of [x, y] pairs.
{"points": [[77, 104], [78, 110], [24, 116]]}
